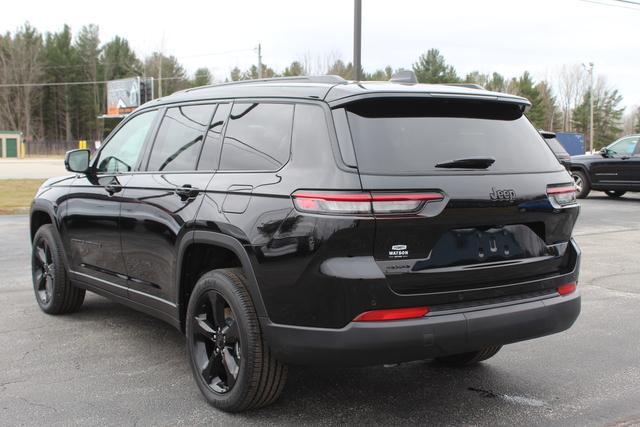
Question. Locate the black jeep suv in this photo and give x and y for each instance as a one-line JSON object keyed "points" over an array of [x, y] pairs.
{"points": [[317, 221], [615, 170]]}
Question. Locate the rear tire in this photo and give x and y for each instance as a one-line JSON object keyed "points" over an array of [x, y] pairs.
{"points": [[471, 358], [54, 292], [582, 184], [230, 360], [615, 194]]}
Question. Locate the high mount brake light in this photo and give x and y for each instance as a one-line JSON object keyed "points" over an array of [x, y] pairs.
{"points": [[362, 203], [562, 196], [392, 314]]}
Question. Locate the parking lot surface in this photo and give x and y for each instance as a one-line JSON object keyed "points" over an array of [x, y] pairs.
{"points": [[31, 168], [109, 365]]}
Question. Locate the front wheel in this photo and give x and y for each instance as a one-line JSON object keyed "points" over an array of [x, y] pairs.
{"points": [[231, 362], [582, 184], [54, 292], [614, 193], [470, 358]]}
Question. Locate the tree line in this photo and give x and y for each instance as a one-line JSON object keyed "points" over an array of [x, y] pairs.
{"points": [[66, 111]]}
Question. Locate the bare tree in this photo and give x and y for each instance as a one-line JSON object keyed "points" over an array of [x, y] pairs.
{"points": [[19, 64], [572, 84]]}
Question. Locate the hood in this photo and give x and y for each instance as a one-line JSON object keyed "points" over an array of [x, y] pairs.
{"points": [[583, 157], [56, 180]]}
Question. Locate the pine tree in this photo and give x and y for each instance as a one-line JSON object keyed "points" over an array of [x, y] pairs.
{"points": [[202, 77], [87, 98], [118, 60], [607, 116], [432, 68], [174, 77], [339, 68], [525, 87], [61, 65], [295, 69]]}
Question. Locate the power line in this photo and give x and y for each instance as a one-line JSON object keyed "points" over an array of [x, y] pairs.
{"points": [[619, 6], [628, 1], [7, 85], [110, 64]]}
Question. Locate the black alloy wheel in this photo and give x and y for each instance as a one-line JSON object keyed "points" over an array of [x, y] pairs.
{"points": [[216, 344], [231, 362], [54, 291], [44, 270]]}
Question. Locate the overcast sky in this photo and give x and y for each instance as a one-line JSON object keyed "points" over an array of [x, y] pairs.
{"points": [[507, 36]]}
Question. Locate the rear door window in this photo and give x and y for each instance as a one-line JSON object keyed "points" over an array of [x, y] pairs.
{"points": [[179, 140], [411, 136], [258, 137]]}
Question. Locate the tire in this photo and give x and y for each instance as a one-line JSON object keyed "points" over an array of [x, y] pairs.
{"points": [[614, 193], [471, 358], [227, 339], [582, 184], [54, 292]]}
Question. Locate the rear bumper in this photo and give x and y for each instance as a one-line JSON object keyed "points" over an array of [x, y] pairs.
{"points": [[437, 334]]}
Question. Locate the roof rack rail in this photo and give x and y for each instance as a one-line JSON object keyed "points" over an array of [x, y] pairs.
{"points": [[467, 85], [302, 79]]}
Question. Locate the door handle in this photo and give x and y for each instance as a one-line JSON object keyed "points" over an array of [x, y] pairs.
{"points": [[186, 192], [113, 188]]}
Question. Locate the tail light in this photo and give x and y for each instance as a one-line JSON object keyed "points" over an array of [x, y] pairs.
{"points": [[561, 196], [567, 288], [392, 314], [362, 203]]}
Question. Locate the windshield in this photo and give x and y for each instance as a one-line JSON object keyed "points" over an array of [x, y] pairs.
{"points": [[411, 136]]}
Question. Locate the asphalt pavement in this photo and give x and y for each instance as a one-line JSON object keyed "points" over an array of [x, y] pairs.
{"points": [[110, 365]]}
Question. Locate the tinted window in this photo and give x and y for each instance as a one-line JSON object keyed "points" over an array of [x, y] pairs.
{"points": [[122, 151], [179, 139], [213, 141], [258, 137], [411, 136], [556, 147], [624, 147]]}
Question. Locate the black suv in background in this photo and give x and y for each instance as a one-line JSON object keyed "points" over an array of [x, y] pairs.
{"points": [[317, 221], [615, 170]]}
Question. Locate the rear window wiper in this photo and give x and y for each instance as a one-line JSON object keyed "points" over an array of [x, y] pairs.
{"points": [[469, 163]]}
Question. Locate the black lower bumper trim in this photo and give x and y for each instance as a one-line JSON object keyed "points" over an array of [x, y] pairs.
{"points": [[371, 343]]}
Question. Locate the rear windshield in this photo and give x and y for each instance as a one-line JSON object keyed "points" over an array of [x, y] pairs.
{"points": [[556, 147], [411, 136]]}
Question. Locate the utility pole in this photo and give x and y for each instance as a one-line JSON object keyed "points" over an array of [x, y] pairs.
{"points": [[160, 67], [259, 61], [357, 39], [590, 70], [591, 107], [160, 75]]}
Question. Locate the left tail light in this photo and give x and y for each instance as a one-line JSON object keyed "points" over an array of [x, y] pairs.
{"points": [[362, 202], [561, 196]]}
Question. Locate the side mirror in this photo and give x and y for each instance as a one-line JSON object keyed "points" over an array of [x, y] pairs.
{"points": [[77, 161], [604, 151]]}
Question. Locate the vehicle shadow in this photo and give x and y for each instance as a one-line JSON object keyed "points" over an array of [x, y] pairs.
{"points": [[627, 198], [422, 392]]}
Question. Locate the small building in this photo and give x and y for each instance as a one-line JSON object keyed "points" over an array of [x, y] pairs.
{"points": [[10, 144], [572, 142]]}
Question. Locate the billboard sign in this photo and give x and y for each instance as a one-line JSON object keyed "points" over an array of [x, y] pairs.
{"points": [[125, 95]]}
